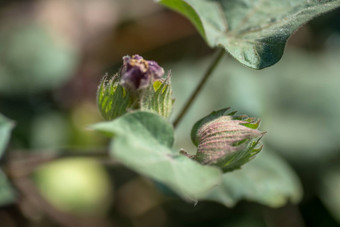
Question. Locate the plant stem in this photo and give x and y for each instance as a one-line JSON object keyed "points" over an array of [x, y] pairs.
{"points": [[199, 87]]}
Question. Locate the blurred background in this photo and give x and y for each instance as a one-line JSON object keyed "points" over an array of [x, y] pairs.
{"points": [[53, 54]]}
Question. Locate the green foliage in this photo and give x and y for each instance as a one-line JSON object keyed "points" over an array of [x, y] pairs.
{"points": [[5, 130], [32, 60], [6, 192], [143, 142], [329, 192], [267, 180], [254, 32], [226, 140]]}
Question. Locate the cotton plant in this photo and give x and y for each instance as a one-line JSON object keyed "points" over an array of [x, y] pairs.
{"points": [[136, 104]]}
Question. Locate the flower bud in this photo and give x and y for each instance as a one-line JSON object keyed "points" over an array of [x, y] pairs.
{"points": [[137, 73], [226, 140], [138, 86]]}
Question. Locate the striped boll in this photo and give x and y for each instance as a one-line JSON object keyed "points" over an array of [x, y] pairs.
{"points": [[226, 140]]}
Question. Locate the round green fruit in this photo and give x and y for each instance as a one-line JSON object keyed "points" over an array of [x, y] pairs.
{"points": [[79, 185]]}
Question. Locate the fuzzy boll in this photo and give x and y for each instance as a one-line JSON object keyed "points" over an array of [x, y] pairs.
{"points": [[226, 140]]}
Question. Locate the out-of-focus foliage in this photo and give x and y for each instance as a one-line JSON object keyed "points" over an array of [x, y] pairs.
{"points": [[79, 186], [55, 129], [5, 132], [329, 191], [267, 180], [245, 221], [50, 130], [6, 191], [32, 60], [143, 142], [83, 115], [254, 32]]}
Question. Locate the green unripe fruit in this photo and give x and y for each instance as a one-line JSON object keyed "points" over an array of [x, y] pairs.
{"points": [[79, 186]]}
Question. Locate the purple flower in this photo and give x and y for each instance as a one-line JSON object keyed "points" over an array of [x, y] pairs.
{"points": [[138, 73]]}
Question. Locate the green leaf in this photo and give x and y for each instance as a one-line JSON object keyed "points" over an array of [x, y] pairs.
{"points": [[143, 141], [254, 32], [6, 192], [267, 180], [5, 130]]}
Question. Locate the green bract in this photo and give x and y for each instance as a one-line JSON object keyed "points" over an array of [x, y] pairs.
{"points": [[158, 98], [112, 98], [226, 140], [255, 32]]}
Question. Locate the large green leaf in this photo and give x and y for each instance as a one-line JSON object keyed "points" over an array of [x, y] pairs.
{"points": [[143, 141], [6, 192], [5, 130], [253, 31], [267, 180]]}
